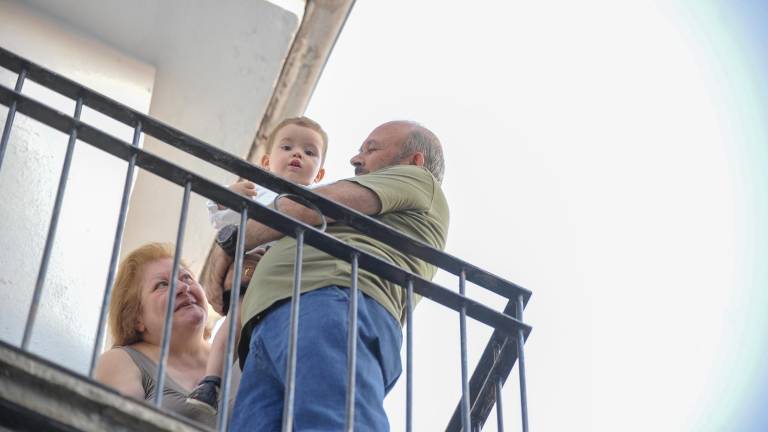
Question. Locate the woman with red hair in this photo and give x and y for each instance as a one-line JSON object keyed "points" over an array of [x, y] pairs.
{"points": [[136, 319]]}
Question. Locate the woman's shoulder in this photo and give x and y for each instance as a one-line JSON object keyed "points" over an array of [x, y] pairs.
{"points": [[117, 356], [117, 369]]}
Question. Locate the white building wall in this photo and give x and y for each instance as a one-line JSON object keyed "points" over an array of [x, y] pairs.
{"points": [[213, 84], [73, 290], [216, 63]]}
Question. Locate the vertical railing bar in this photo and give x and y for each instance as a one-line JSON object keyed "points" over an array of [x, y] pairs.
{"points": [[352, 346], [168, 324], [234, 302], [499, 412], [293, 336], [409, 357], [52, 227], [115, 251], [521, 367], [11, 116], [465, 415]]}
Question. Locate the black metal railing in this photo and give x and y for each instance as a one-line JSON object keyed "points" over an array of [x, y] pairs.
{"points": [[479, 393]]}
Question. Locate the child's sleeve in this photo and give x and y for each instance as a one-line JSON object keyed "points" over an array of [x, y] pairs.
{"points": [[220, 218]]}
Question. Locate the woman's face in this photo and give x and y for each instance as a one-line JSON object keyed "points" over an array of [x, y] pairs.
{"points": [[190, 308]]}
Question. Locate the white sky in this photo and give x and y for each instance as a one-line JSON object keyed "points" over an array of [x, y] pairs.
{"points": [[587, 160]]}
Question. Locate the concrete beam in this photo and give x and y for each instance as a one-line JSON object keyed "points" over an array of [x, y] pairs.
{"points": [[320, 28]]}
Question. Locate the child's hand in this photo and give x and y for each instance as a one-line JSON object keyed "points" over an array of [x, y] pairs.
{"points": [[243, 187]]}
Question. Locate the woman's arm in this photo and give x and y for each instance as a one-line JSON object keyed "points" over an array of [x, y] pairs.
{"points": [[116, 369]]}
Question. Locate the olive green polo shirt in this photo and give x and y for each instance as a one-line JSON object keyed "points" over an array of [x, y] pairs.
{"points": [[412, 202]]}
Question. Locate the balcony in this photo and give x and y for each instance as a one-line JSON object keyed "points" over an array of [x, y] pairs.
{"points": [[55, 390], [50, 383]]}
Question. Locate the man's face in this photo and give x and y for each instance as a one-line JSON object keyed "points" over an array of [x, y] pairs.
{"points": [[382, 148], [295, 155]]}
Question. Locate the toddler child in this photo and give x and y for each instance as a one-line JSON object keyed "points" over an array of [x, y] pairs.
{"points": [[296, 152]]}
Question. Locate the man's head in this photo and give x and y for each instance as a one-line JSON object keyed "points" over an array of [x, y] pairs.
{"points": [[296, 151], [400, 143]]}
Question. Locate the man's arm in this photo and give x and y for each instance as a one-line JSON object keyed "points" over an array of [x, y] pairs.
{"points": [[346, 193]]}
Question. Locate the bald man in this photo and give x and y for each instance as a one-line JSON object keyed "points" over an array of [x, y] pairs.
{"points": [[398, 172]]}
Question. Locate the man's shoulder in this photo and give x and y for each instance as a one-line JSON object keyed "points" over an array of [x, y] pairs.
{"points": [[406, 170], [398, 174]]}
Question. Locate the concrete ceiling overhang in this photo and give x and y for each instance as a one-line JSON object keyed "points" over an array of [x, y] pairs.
{"points": [[229, 52], [226, 72], [148, 28], [145, 28]]}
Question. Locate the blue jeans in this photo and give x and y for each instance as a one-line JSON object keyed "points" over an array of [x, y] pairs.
{"points": [[321, 371]]}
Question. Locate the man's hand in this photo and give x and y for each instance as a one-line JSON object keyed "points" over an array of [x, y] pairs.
{"points": [[218, 265], [250, 261]]}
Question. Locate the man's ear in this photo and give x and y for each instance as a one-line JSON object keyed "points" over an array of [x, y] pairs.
{"points": [[140, 326], [417, 159], [265, 162], [320, 175]]}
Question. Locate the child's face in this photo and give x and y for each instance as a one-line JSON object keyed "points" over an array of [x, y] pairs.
{"points": [[295, 155]]}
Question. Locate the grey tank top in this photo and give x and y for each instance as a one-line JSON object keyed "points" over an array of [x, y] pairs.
{"points": [[174, 396]]}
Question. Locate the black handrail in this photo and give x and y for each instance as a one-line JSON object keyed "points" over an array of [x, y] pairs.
{"points": [[235, 165], [256, 211]]}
